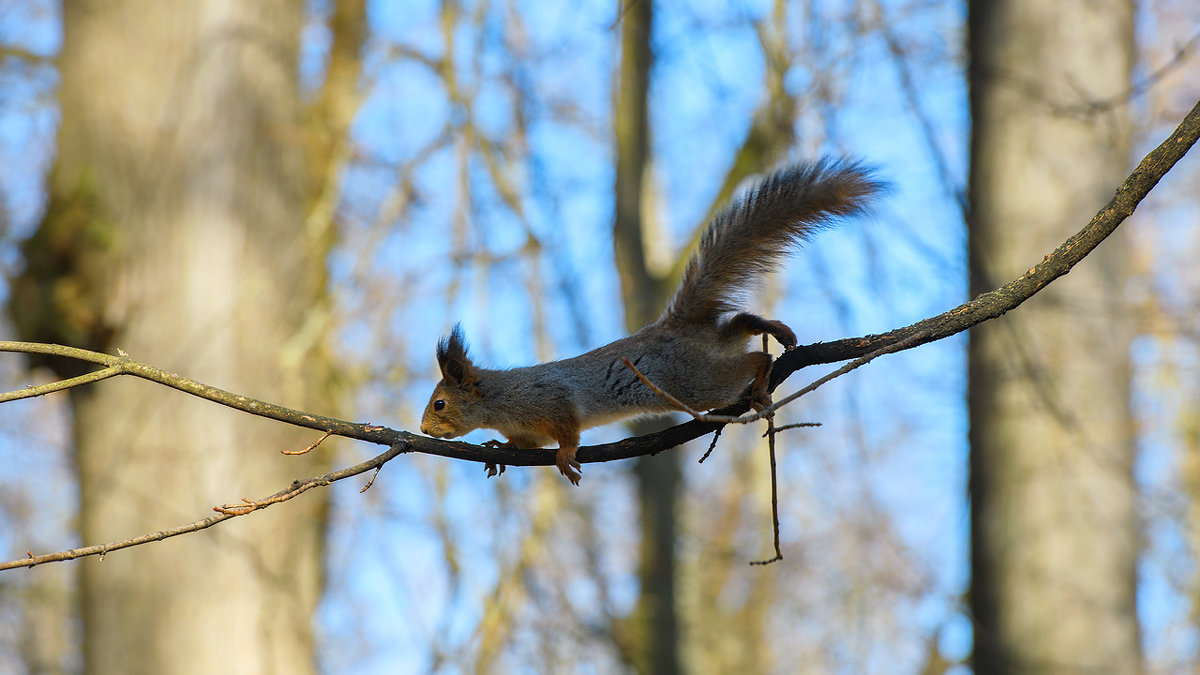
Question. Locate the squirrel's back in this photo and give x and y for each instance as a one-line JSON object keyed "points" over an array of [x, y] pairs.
{"points": [[748, 238]]}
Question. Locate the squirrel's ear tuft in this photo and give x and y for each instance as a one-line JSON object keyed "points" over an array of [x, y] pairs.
{"points": [[452, 358]]}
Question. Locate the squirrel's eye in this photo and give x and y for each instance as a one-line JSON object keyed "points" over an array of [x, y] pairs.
{"points": [[439, 404]]}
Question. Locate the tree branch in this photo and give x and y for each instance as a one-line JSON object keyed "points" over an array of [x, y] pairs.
{"points": [[224, 513], [996, 303], [122, 364], [987, 306]]}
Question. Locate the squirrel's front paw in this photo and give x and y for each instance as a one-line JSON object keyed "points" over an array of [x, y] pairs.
{"points": [[567, 464], [492, 468]]}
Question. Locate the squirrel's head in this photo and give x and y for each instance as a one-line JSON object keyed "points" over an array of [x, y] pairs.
{"points": [[451, 408]]}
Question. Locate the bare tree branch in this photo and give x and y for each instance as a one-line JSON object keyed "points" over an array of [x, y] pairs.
{"points": [[996, 303], [122, 364], [224, 513], [987, 306]]}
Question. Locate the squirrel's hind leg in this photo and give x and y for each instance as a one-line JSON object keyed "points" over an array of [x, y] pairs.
{"points": [[760, 362], [760, 396], [753, 324]]}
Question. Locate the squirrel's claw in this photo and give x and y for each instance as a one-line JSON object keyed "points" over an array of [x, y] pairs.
{"points": [[571, 474], [565, 460], [492, 468]]}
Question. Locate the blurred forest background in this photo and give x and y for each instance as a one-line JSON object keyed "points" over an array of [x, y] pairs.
{"points": [[294, 201]]}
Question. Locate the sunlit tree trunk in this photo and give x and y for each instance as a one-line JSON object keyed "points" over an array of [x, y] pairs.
{"points": [[176, 232], [1054, 526]]}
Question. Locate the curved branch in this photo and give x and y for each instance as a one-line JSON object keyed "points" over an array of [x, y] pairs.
{"points": [[997, 302], [986, 306]]}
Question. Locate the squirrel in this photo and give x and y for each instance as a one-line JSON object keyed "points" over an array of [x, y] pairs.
{"points": [[695, 351]]}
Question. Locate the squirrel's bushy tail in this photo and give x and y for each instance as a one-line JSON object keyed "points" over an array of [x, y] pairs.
{"points": [[747, 238]]}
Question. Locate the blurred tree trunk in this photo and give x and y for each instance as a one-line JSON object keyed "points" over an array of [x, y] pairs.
{"points": [[176, 231], [657, 633], [656, 621], [1054, 525]]}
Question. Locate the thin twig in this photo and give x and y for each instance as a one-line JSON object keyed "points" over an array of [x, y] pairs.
{"points": [[795, 425], [59, 385], [712, 445], [774, 495], [683, 407], [251, 505], [910, 341], [856, 363], [310, 448], [371, 481]]}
